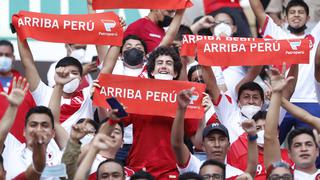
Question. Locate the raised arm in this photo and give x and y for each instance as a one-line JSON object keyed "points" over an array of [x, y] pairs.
{"points": [[249, 126], [27, 60], [211, 82], [206, 22], [301, 114], [173, 28], [71, 154], [38, 157], [100, 142], [288, 91], [258, 11], [271, 143], [61, 77], [15, 98], [180, 150]]}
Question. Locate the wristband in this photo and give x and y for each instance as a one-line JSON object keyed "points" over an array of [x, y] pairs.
{"points": [[252, 138], [112, 122]]}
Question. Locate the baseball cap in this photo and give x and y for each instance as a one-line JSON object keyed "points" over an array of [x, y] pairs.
{"points": [[215, 127]]}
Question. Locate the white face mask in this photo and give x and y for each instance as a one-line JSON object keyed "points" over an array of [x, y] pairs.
{"points": [[71, 86], [5, 64], [163, 76], [79, 54], [250, 110], [222, 28], [260, 140]]}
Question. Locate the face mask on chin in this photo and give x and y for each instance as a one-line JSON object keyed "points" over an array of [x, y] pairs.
{"points": [[297, 30], [163, 76], [249, 110], [5, 64], [79, 54], [165, 22]]}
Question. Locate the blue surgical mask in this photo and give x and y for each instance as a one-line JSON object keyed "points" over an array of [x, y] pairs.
{"points": [[5, 64]]}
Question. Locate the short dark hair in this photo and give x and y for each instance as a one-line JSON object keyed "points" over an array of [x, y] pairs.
{"points": [[190, 175], [301, 3], [70, 61], [298, 131], [39, 110], [225, 11], [193, 69], [92, 122], [141, 175], [252, 86], [110, 160], [259, 115], [215, 163], [7, 43], [130, 36], [167, 51], [183, 29]]}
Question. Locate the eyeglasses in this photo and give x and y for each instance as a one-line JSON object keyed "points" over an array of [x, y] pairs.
{"points": [[212, 176], [278, 177]]}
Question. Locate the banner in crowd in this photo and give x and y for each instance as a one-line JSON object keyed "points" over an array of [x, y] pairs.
{"points": [[141, 4], [99, 28], [235, 51], [148, 96]]}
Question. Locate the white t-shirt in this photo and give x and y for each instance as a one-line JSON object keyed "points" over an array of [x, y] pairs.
{"points": [[42, 96], [299, 175], [232, 76], [17, 157], [305, 89], [194, 164]]}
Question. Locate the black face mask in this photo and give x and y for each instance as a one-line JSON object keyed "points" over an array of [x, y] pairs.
{"points": [[166, 21], [297, 30], [133, 56]]}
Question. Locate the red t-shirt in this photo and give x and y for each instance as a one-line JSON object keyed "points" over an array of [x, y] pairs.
{"points": [[28, 102], [151, 146], [213, 5], [237, 157], [148, 31]]}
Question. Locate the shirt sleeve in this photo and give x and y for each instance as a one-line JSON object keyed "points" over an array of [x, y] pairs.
{"points": [[42, 94], [272, 30], [193, 165]]}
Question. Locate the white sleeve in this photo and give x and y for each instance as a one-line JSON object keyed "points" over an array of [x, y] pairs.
{"points": [[225, 107], [42, 94], [50, 74], [272, 30], [193, 165]]}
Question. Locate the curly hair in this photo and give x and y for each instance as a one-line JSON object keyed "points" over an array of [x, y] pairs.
{"points": [[166, 51]]}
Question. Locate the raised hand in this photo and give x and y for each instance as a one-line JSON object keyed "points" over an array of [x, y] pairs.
{"points": [[19, 89], [249, 126], [63, 76], [206, 102], [78, 131], [184, 98], [90, 67], [122, 23], [206, 22], [278, 81], [103, 142]]}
